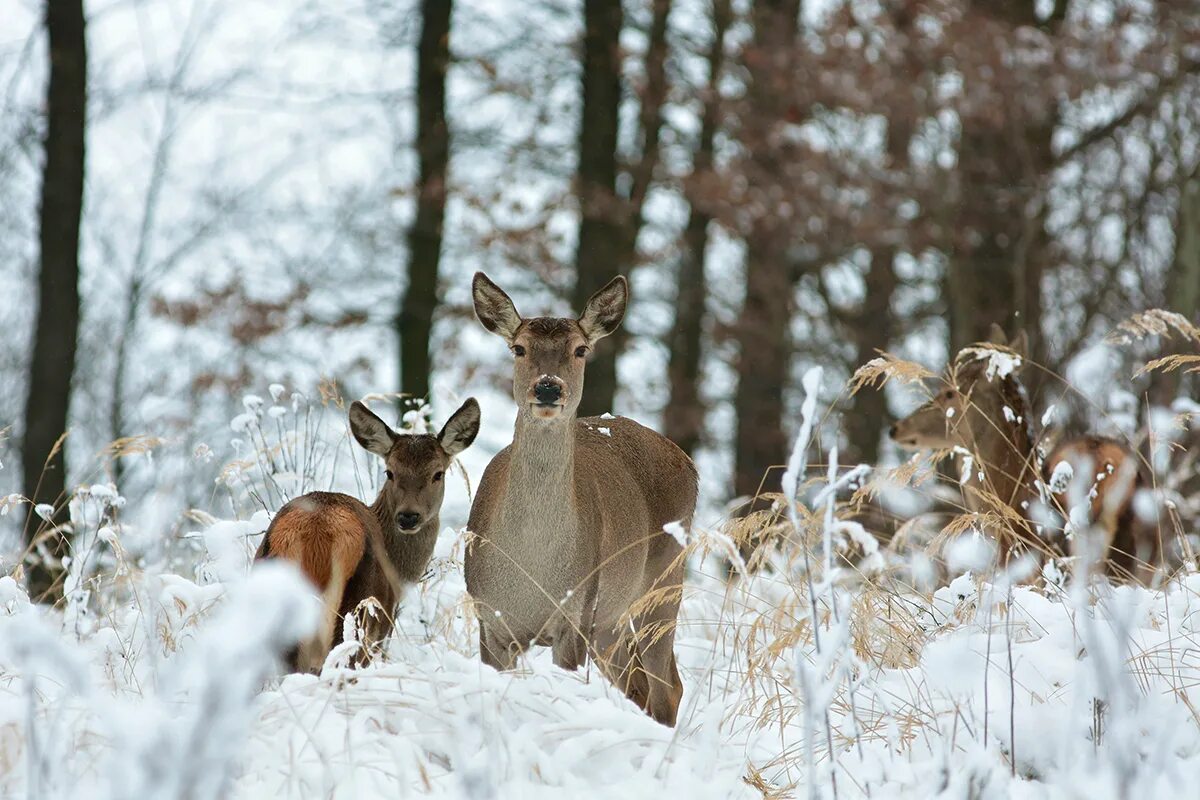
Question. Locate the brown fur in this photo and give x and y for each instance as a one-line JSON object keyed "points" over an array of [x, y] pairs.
{"points": [[1005, 449], [568, 546], [1108, 470], [967, 412], [351, 552]]}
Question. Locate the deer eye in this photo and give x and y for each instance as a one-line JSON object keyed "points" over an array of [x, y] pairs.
{"points": [[518, 350], [581, 351], [388, 473], [437, 476]]}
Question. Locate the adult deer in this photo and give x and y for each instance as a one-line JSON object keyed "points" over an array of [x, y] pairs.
{"points": [[569, 549], [982, 413], [350, 551]]}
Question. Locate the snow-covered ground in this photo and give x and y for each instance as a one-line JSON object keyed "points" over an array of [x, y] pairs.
{"points": [[157, 681]]}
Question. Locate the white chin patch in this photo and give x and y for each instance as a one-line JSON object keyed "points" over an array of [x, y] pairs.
{"points": [[546, 412]]}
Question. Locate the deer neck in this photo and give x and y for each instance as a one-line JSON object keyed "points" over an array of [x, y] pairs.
{"points": [[1002, 450], [541, 473]]}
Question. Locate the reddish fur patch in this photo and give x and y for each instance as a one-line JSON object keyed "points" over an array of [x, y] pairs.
{"points": [[325, 542], [1101, 457]]}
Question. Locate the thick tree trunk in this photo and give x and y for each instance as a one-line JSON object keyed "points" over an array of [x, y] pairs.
{"points": [[872, 331], [764, 340], [995, 275], [57, 327], [1183, 287], [684, 419], [600, 246], [415, 323]]}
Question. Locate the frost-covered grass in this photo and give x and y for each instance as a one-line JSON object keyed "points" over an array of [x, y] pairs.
{"points": [[155, 678]]}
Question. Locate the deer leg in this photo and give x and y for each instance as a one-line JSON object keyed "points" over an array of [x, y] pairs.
{"points": [[569, 650], [616, 657], [654, 636], [498, 648]]}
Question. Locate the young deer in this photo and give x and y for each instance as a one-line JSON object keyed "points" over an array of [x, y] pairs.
{"points": [[569, 549], [983, 414], [351, 551]]}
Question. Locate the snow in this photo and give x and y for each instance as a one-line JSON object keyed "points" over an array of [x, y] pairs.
{"points": [[1000, 364], [1061, 477], [158, 679], [164, 700]]}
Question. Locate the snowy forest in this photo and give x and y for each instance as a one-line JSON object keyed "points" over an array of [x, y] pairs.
{"points": [[914, 284]]}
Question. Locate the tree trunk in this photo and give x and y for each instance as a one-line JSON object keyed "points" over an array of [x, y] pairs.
{"points": [[425, 236], [684, 419], [764, 340], [1183, 286], [57, 326], [995, 274], [600, 247], [873, 329]]}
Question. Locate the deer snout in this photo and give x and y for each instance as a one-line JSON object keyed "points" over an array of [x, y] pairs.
{"points": [[408, 520], [547, 391], [893, 431]]}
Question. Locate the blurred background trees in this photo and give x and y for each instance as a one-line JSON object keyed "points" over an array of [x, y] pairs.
{"points": [[279, 194]]}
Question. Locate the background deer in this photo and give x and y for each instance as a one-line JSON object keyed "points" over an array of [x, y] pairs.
{"points": [[982, 413], [1106, 474], [569, 549], [351, 551]]}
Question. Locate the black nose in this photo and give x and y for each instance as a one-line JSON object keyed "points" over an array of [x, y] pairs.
{"points": [[892, 431], [547, 393], [408, 520]]}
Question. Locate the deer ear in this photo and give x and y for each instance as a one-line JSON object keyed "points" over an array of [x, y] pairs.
{"points": [[996, 335], [494, 308], [1020, 344], [370, 431], [605, 310], [461, 429]]}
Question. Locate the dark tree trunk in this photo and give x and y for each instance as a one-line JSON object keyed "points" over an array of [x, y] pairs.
{"points": [[684, 418], [600, 247], [996, 271], [872, 331], [1183, 287], [764, 340], [425, 236], [57, 327]]}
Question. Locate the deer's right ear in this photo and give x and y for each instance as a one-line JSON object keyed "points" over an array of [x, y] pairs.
{"points": [[494, 308], [461, 429], [370, 431], [996, 335]]}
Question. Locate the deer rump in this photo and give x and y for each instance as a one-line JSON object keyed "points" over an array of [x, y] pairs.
{"points": [[326, 535], [1105, 472]]}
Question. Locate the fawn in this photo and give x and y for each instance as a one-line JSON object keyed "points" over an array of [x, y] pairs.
{"points": [[350, 551]]}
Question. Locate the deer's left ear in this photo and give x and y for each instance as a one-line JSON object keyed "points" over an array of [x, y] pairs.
{"points": [[1020, 344], [605, 310], [461, 429]]}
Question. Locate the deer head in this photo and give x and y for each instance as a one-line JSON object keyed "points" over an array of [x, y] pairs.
{"points": [[973, 401], [549, 353], [416, 464]]}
